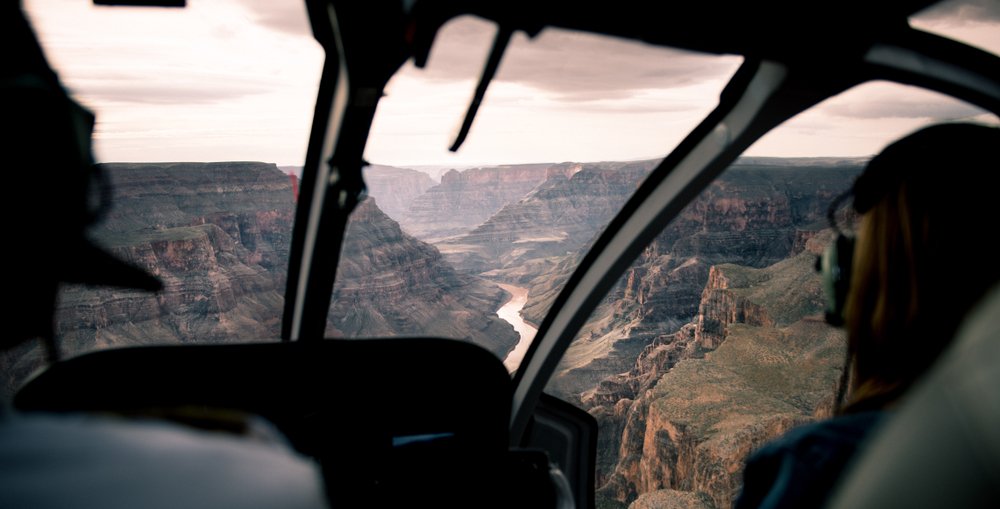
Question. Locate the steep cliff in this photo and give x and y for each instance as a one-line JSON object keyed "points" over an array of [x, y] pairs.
{"points": [[758, 213], [757, 360], [217, 234], [562, 215], [754, 214], [395, 188], [212, 293], [466, 198], [252, 202], [390, 283]]}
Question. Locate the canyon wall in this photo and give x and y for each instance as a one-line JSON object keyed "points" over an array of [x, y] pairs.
{"points": [[755, 215], [464, 199], [755, 361], [391, 284], [218, 235], [395, 188], [559, 217]]}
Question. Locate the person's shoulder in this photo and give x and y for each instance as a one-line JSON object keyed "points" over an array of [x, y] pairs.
{"points": [[800, 467], [839, 431]]}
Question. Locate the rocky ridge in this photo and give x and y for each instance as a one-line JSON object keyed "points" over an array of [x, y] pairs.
{"points": [[559, 217], [466, 198], [391, 284], [757, 360], [757, 214], [395, 188], [752, 215], [217, 234]]}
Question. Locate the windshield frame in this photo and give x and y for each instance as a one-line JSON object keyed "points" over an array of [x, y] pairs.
{"points": [[770, 87]]}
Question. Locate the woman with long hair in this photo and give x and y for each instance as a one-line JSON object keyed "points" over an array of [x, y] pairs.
{"points": [[914, 269]]}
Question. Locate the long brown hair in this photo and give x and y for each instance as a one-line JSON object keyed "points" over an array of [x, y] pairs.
{"points": [[917, 268]]}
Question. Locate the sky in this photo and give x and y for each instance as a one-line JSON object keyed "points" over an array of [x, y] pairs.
{"points": [[237, 79]]}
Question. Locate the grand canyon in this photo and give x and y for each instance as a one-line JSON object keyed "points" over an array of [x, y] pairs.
{"points": [[711, 344]]}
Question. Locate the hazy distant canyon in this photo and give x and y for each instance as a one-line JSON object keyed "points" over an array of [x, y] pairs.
{"points": [[709, 345], [712, 342]]}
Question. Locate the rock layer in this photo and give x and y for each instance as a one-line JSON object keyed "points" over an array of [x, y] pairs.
{"points": [[390, 283], [753, 215], [760, 212], [559, 217], [395, 188], [466, 198], [697, 403], [671, 499], [217, 234]]}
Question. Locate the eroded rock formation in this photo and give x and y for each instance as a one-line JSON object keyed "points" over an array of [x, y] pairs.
{"points": [[754, 214], [759, 213], [391, 284], [557, 218], [466, 198], [217, 234], [671, 499], [698, 402], [395, 188]]}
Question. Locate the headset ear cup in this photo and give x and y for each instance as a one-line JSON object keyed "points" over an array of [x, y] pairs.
{"points": [[835, 266]]}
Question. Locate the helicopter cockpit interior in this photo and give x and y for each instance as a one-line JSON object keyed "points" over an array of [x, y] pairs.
{"points": [[419, 406]]}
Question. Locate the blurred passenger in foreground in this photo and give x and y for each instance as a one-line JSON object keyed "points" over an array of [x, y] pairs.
{"points": [[902, 287], [85, 460]]}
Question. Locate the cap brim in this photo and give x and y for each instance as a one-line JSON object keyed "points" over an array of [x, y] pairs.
{"points": [[91, 265]]}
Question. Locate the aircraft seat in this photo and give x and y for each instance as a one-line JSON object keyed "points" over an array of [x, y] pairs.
{"points": [[391, 421]]}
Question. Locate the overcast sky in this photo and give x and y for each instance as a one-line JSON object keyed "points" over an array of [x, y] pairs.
{"points": [[236, 80]]}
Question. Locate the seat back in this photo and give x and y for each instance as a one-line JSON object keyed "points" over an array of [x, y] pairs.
{"points": [[388, 419]]}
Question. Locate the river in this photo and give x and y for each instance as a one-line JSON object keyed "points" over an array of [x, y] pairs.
{"points": [[511, 312]]}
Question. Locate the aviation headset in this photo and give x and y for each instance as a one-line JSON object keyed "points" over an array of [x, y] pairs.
{"points": [[835, 265]]}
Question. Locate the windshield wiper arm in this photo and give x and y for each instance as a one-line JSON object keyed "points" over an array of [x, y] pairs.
{"points": [[492, 64]]}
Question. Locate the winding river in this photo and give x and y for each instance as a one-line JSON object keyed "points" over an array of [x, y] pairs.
{"points": [[511, 312]]}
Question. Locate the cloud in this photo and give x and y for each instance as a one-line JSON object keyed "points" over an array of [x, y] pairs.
{"points": [[904, 108], [886, 100], [573, 65], [219, 80], [211, 52], [284, 16], [579, 66], [137, 92], [962, 12]]}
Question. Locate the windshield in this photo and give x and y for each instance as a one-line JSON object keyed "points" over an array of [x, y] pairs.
{"points": [[713, 342], [203, 117], [973, 22], [448, 244], [470, 245]]}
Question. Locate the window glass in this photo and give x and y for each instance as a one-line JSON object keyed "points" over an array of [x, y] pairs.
{"points": [[449, 243], [202, 114], [714, 341], [970, 21]]}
